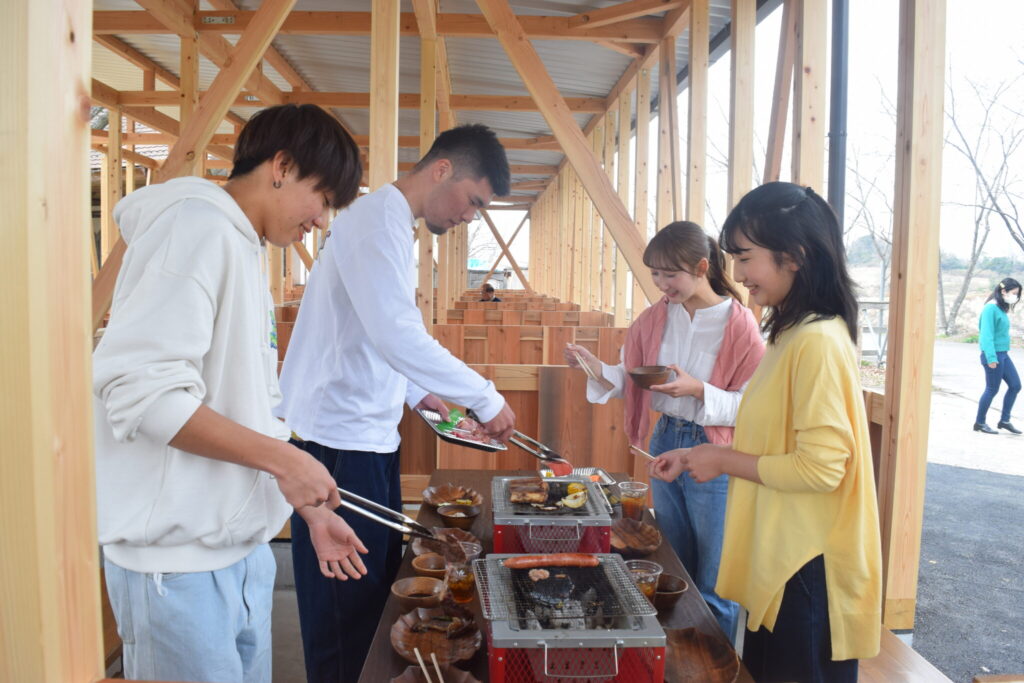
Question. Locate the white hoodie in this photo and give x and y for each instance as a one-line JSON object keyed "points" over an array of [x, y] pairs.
{"points": [[191, 323]]}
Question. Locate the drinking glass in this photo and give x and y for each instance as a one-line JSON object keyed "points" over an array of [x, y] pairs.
{"points": [[633, 496], [459, 575], [645, 574]]}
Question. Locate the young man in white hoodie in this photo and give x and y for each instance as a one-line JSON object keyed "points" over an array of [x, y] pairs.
{"points": [[358, 351], [194, 473]]}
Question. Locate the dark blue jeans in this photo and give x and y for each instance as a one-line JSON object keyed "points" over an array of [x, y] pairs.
{"points": [[800, 647], [1003, 372], [338, 618]]}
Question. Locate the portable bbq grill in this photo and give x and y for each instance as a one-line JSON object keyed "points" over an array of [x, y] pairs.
{"points": [[522, 528], [579, 623]]}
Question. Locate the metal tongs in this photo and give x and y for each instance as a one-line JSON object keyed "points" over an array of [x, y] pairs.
{"points": [[386, 516], [541, 452]]}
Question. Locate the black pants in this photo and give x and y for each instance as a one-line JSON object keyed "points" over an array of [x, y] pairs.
{"points": [[800, 647], [338, 618]]}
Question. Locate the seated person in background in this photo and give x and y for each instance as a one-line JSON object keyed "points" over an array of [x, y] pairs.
{"points": [[487, 292]]}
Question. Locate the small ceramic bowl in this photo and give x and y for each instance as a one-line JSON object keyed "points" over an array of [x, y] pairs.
{"points": [[430, 564], [418, 591], [458, 516], [647, 376], [450, 494], [670, 588]]}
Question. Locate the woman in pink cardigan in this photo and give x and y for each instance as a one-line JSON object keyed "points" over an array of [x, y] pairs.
{"points": [[710, 341]]}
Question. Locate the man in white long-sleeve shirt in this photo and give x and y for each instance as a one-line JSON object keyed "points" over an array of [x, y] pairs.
{"points": [[358, 351]]}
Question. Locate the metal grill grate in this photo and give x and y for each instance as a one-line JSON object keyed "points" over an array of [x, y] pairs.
{"points": [[605, 591], [597, 503]]}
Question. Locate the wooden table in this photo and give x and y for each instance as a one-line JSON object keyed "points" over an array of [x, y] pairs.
{"points": [[382, 662]]}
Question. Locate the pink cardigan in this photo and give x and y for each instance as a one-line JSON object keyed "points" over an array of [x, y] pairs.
{"points": [[738, 357]]}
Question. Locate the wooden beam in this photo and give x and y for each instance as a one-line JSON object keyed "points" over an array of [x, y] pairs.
{"points": [[915, 254], [608, 250], [621, 12], [504, 250], [135, 157], [559, 117], [697, 121], [50, 619], [675, 21], [508, 245], [215, 102], [783, 88], [384, 93], [629, 49], [809, 112], [741, 114], [641, 220], [639, 30], [622, 186], [304, 255], [189, 93], [109, 234], [666, 199], [426, 19]]}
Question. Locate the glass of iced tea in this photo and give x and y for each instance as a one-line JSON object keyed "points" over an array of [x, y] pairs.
{"points": [[645, 574], [459, 575], [633, 496]]}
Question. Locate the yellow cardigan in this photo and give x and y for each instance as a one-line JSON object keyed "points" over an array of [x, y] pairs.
{"points": [[803, 412]]}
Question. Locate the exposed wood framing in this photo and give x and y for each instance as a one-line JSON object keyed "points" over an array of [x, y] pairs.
{"points": [[640, 30], [50, 619], [622, 11], [741, 112], [622, 186], [809, 112], [505, 251], [113, 169], [384, 98], [427, 20], [666, 197], [608, 250], [304, 255], [697, 122], [912, 307], [531, 69], [275, 274], [783, 88], [508, 246], [189, 93], [641, 220]]}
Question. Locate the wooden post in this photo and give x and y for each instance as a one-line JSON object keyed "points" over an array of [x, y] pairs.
{"points": [[50, 618], [697, 123], [809, 113], [189, 88], [783, 88], [384, 25], [911, 307], [640, 185], [115, 178], [428, 130], [129, 164], [665, 198], [608, 250], [741, 112], [276, 273], [621, 281]]}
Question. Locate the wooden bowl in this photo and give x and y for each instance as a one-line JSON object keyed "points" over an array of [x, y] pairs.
{"points": [[670, 589], [414, 674], [449, 494], [632, 538], [647, 376], [448, 650], [458, 534], [418, 591], [429, 564], [450, 519], [696, 656]]}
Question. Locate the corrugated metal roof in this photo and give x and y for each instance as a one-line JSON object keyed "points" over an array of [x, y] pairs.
{"points": [[477, 65]]}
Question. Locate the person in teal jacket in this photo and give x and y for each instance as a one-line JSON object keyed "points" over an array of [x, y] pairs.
{"points": [[994, 338]]}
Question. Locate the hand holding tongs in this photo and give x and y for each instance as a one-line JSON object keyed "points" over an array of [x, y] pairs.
{"points": [[387, 516], [541, 452]]}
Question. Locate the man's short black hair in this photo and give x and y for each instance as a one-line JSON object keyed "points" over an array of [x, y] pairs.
{"points": [[474, 150], [317, 143], [487, 287]]}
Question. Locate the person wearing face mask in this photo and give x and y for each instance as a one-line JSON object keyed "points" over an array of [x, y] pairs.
{"points": [[194, 475], [701, 331], [358, 351], [994, 339]]}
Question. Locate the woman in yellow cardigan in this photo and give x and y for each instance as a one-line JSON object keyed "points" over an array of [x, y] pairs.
{"points": [[801, 550]]}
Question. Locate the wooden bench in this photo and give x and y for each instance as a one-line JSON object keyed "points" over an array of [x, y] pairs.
{"points": [[897, 662], [527, 344]]}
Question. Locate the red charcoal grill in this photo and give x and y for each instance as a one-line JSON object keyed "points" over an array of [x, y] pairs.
{"points": [[591, 624], [521, 528]]}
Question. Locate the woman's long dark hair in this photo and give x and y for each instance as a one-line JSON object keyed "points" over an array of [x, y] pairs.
{"points": [[793, 221], [681, 246], [1007, 285]]}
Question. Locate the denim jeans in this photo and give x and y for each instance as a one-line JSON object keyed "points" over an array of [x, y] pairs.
{"points": [[212, 627], [799, 648], [1003, 372], [692, 517], [338, 618]]}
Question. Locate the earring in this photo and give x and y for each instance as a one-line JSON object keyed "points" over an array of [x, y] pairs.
{"points": [[277, 184]]}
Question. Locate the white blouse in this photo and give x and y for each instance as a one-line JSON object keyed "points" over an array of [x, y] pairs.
{"points": [[693, 345]]}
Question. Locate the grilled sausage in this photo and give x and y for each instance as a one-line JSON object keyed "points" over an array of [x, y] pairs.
{"points": [[552, 560]]}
